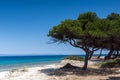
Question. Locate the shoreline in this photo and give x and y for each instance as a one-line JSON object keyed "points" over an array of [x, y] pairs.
{"points": [[9, 67], [6, 66], [53, 72], [59, 64]]}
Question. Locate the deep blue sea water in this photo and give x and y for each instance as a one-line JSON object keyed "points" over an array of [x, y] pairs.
{"points": [[13, 62]]}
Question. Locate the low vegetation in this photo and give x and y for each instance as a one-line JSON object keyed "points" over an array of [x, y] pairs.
{"points": [[112, 63], [78, 58]]}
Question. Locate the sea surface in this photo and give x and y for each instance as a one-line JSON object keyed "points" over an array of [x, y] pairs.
{"points": [[14, 62]]}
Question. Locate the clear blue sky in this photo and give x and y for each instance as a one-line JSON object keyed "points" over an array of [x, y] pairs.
{"points": [[24, 24]]}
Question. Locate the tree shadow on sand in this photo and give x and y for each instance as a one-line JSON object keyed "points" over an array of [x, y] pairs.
{"points": [[113, 78], [69, 69]]}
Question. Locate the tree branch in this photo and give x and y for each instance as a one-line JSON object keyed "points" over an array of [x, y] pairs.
{"points": [[73, 43]]}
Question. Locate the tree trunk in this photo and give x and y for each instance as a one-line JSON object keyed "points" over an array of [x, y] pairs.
{"points": [[117, 53], [109, 55], [91, 54], [100, 53], [86, 61]]}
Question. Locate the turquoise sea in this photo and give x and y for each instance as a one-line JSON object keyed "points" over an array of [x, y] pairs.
{"points": [[13, 62]]}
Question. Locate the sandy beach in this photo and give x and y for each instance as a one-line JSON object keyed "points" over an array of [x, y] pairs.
{"points": [[55, 72]]}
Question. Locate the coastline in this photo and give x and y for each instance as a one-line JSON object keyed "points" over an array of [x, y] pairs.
{"points": [[20, 66], [11, 62], [52, 72]]}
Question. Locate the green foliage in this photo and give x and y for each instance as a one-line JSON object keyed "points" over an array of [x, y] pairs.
{"points": [[68, 29], [88, 16], [87, 28], [113, 16], [112, 63], [78, 58]]}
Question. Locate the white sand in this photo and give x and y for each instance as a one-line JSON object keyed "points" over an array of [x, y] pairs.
{"points": [[32, 74], [35, 73]]}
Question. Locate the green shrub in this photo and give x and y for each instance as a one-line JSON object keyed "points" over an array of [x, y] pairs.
{"points": [[113, 63], [79, 58]]}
